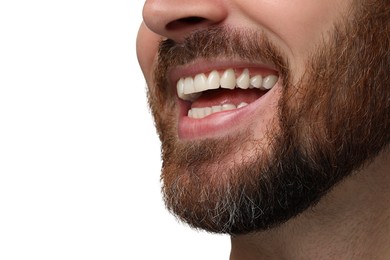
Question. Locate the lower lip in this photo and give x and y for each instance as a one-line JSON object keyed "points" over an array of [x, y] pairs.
{"points": [[226, 122]]}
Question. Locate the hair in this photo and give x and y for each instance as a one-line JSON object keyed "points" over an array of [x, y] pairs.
{"points": [[332, 122]]}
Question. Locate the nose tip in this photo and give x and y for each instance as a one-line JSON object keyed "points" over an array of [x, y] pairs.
{"points": [[174, 19]]}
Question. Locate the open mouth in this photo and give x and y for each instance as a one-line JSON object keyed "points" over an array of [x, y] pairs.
{"points": [[217, 101], [223, 90]]}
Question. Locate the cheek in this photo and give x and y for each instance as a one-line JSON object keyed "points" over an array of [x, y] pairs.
{"points": [[147, 48], [297, 25]]}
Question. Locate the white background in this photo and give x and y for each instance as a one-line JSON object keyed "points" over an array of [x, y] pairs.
{"points": [[79, 157]]}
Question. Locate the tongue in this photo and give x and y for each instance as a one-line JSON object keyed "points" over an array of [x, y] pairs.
{"points": [[235, 96]]}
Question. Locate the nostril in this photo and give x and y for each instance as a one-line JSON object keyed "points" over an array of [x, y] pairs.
{"points": [[185, 22], [191, 20]]}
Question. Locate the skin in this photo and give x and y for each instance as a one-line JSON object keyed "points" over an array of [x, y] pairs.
{"points": [[297, 31], [350, 222], [335, 228]]}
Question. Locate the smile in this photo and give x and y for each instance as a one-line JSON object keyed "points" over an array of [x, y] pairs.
{"points": [[192, 88], [218, 100]]}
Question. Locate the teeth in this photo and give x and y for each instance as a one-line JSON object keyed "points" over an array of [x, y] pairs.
{"points": [[199, 112], [243, 81], [216, 109], [256, 81], [228, 79], [181, 86], [190, 88], [242, 104], [180, 89], [206, 111], [200, 82], [213, 80], [228, 107], [269, 81]]}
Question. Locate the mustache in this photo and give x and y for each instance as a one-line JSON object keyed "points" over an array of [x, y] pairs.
{"points": [[221, 42]]}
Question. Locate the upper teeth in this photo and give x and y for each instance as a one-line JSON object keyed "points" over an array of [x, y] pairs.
{"points": [[190, 88]]}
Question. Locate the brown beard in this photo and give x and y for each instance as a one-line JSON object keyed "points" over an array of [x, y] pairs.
{"points": [[331, 123]]}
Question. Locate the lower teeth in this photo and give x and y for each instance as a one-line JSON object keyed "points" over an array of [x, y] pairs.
{"points": [[199, 113]]}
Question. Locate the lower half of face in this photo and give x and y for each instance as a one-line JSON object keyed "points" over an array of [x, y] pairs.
{"points": [[291, 144]]}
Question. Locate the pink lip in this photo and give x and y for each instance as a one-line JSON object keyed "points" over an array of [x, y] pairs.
{"points": [[225, 122]]}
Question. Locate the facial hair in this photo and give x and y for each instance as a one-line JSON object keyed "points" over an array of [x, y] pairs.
{"points": [[330, 123]]}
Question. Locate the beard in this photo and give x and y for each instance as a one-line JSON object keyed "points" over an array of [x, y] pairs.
{"points": [[330, 123]]}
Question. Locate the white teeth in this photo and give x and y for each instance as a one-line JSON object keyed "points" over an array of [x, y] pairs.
{"points": [[213, 80], [242, 104], [180, 89], [200, 82], [186, 85], [243, 80], [256, 81], [216, 109], [190, 88], [228, 79], [269, 81], [201, 112], [228, 107], [206, 111]]}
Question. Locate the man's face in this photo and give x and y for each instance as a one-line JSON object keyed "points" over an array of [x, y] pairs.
{"points": [[263, 106]]}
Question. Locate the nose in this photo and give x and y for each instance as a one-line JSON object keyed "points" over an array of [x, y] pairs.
{"points": [[174, 19]]}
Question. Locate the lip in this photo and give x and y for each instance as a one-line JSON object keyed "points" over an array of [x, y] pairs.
{"points": [[224, 122]]}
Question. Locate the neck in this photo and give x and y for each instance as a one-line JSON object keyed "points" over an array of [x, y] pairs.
{"points": [[351, 222]]}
